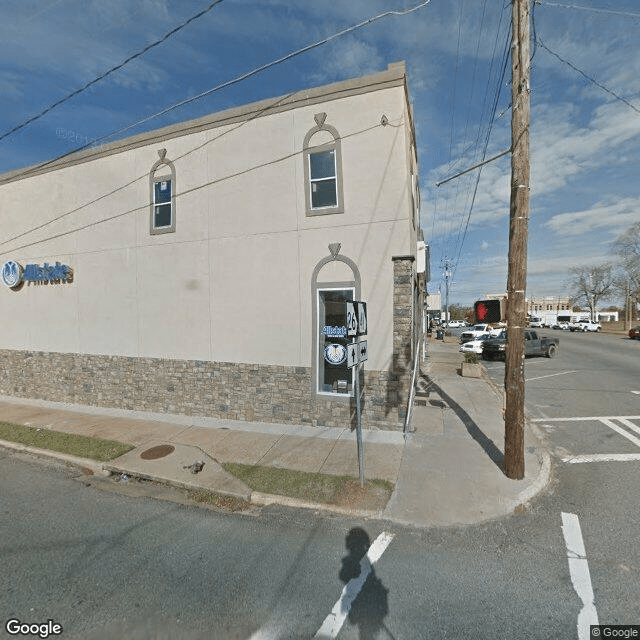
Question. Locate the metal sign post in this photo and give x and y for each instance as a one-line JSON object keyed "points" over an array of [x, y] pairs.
{"points": [[356, 314]]}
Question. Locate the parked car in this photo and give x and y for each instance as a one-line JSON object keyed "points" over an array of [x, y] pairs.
{"points": [[474, 332], [495, 348], [475, 346], [564, 326], [634, 333], [454, 324], [584, 325]]}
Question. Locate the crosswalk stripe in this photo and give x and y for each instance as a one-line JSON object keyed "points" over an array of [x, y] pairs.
{"points": [[621, 431], [334, 621]]}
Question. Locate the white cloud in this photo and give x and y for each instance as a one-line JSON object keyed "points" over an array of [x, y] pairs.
{"points": [[348, 57], [613, 218]]}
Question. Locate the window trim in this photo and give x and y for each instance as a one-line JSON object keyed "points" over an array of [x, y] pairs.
{"points": [[315, 285], [308, 150], [160, 167]]}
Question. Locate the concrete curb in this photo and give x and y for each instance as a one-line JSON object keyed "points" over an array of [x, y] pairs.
{"points": [[87, 463], [266, 499], [255, 497], [176, 483]]}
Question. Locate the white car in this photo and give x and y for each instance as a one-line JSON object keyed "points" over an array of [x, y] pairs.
{"points": [[454, 324], [475, 346], [584, 325]]}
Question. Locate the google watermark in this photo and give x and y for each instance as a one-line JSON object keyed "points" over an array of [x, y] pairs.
{"points": [[75, 138], [615, 631], [15, 627]]}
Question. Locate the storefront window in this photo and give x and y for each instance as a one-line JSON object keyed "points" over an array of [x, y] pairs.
{"points": [[333, 374]]}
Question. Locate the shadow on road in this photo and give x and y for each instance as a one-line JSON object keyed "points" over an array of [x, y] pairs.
{"points": [[371, 605]]}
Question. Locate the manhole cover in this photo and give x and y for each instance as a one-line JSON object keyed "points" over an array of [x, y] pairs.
{"points": [[160, 451]]}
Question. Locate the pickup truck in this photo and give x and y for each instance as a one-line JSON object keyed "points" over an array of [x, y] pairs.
{"points": [[495, 349], [584, 325], [477, 331]]}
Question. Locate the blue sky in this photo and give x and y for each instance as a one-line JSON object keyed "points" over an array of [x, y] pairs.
{"points": [[585, 187]]}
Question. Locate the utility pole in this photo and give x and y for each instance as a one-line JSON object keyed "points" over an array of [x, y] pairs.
{"points": [[447, 275], [518, 231]]}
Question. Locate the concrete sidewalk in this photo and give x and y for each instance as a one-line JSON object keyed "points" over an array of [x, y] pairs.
{"points": [[447, 471], [452, 468]]}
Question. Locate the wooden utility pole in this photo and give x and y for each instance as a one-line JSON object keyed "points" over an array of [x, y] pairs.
{"points": [[518, 231]]}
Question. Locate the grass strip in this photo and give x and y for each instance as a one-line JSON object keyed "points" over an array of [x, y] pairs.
{"points": [[313, 487], [228, 503], [70, 443]]}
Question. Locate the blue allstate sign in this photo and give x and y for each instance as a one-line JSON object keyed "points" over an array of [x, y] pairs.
{"points": [[334, 332], [13, 275]]}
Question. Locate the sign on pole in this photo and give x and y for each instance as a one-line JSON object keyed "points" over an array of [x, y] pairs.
{"points": [[356, 315], [361, 310], [352, 319], [362, 351], [352, 355]]}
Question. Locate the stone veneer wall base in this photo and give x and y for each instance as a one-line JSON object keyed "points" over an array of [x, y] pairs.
{"points": [[238, 391]]}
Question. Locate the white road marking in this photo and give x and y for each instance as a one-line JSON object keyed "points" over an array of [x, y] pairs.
{"points": [[334, 621], [602, 457], [636, 392], [629, 424], [621, 431], [579, 571], [551, 375]]}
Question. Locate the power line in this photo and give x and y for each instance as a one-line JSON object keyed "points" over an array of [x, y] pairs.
{"points": [[228, 83], [486, 145], [588, 77], [487, 115], [145, 176], [491, 119], [145, 207], [166, 36], [575, 6]]}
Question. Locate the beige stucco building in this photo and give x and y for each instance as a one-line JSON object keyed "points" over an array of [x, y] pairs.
{"points": [[193, 269]]}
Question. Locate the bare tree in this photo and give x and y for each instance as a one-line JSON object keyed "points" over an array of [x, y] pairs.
{"points": [[627, 246], [592, 284]]}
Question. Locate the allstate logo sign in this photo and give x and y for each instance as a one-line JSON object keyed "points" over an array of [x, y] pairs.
{"points": [[335, 353], [11, 274]]}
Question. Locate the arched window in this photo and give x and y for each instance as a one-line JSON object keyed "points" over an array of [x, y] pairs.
{"points": [[323, 169], [330, 374], [162, 184]]}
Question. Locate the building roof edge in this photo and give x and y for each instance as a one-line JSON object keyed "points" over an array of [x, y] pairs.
{"points": [[394, 75]]}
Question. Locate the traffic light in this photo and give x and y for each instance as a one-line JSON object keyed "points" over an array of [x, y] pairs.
{"points": [[488, 311]]}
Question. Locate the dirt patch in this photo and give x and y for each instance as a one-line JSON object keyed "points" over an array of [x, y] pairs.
{"points": [[373, 497]]}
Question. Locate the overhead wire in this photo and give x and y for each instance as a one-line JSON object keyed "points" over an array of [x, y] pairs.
{"points": [[144, 176], [228, 83], [450, 250], [588, 77], [486, 145], [471, 100], [445, 233], [102, 76], [453, 253], [628, 14], [145, 206]]}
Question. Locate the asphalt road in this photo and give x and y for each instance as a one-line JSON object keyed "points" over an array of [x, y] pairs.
{"points": [[106, 565], [593, 375]]}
